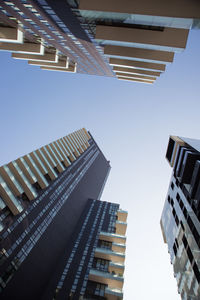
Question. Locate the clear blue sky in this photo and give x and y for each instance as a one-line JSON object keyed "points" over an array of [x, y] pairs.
{"points": [[131, 123]]}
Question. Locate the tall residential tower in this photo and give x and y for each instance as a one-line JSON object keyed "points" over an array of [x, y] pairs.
{"points": [[58, 240], [129, 40], [180, 221]]}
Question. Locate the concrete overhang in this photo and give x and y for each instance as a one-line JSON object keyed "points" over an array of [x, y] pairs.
{"points": [[135, 71], [118, 247], [171, 8], [47, 57], [28, 48], [112, 237], [168, 39], [11, 35], [134, 79], [141, 54], [113, 294], [110, 255], [131, 75], [71, 69], [113, 281], [64, 63], [116, 268], [132, 64], [9, 198]]}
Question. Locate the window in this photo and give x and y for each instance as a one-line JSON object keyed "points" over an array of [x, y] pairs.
{"points": [[101, 264], [95, 290], [104, 244]]}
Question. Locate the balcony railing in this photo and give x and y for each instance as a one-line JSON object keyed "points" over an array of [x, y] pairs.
{"points": [[119, 245], [107, 278], [115, 292], [109, 252], [113, 237], [110, 255], [116, 265], [121, 223]]}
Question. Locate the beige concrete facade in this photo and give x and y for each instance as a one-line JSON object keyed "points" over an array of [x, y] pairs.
{"points": [[47, 57], [136, 76], [168, 37], [40, 178], [116, 62], [112, 238], [118, 247], [113, 295], [34, 156], [45, 162], [112, 255], [170, 8], [121, 227], [60, 64], [116, 268], [112, 282], [20, 177], [71, 69], [140, 53], [10, 35], [8, 198], [122, 215], [136, 71], [129, 76], [16, 189], [28, 48]]}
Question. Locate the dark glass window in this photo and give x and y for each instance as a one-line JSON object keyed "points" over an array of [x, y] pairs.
{"points": [[56, 170], [101, 264], [95, 290], [175, 249], [104, 244]]}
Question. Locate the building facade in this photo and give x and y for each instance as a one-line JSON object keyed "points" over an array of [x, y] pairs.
{"points": [[58, 240], [180, 221], [129, 40]]}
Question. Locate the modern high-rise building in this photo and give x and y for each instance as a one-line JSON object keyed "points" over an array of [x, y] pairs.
{"points": [[129, 40], [58, 240], [180, 221]]}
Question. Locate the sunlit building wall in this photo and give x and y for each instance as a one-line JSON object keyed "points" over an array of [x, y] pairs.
{"points": [[180, 221]]}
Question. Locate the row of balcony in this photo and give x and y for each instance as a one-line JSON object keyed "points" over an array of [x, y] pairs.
{"points": [[33, 171], [108, 267], [119, 236], [12, 40]]}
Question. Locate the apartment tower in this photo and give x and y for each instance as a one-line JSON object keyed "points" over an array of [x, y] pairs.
{"points": [[128, 40], [180, 221], [58, 240]]}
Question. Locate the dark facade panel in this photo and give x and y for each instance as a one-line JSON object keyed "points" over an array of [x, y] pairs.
{"points": [[41, 265]]}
